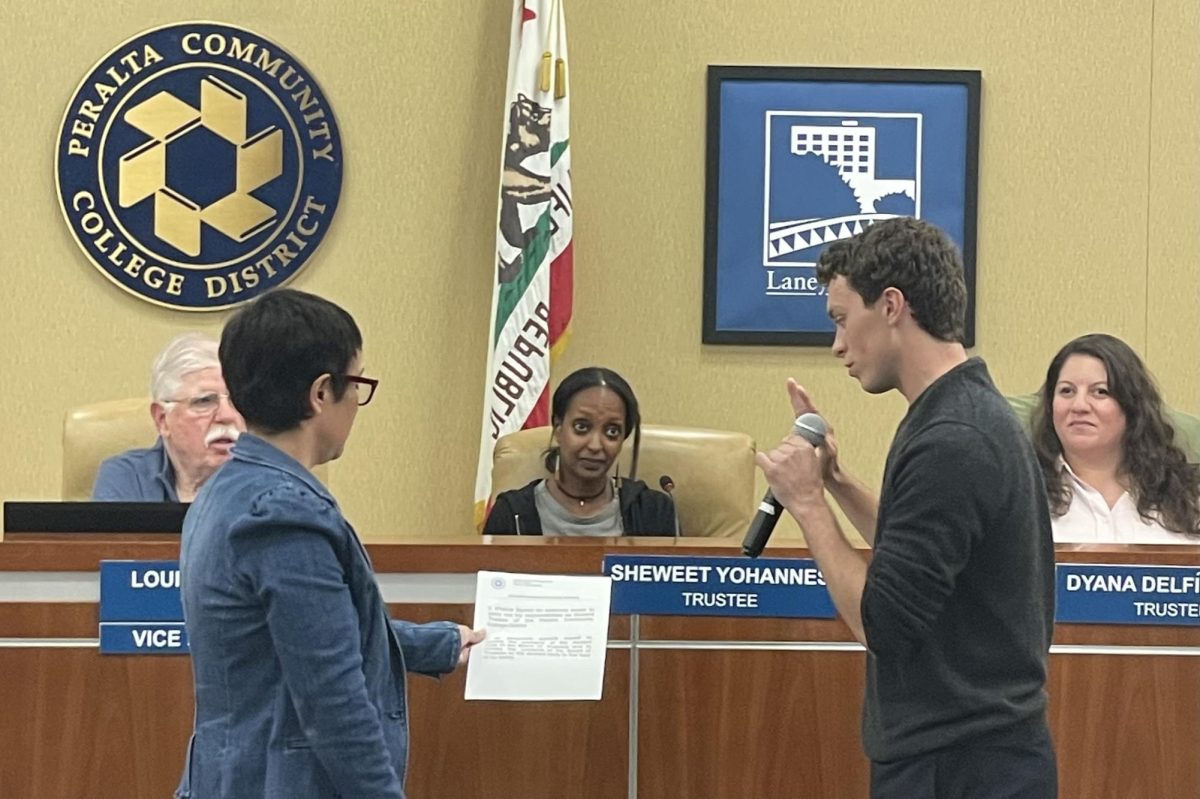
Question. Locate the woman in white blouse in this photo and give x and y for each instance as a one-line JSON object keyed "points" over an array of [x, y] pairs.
{"points": [[1113, 471]]}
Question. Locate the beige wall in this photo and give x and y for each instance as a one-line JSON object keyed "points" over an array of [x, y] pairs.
{"points": [[1088, 212]]}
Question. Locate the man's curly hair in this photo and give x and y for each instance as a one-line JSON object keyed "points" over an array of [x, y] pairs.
{"points": [[913, 256]]}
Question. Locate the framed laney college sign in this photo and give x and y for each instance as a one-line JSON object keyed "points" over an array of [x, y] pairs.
{"points": [[799, 157], [198, 165]]}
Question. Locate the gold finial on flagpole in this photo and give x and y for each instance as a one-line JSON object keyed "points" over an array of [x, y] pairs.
{"points": [[560, 66], [548, 37]]}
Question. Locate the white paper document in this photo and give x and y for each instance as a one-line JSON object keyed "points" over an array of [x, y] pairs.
{"points": [[547, 636]]}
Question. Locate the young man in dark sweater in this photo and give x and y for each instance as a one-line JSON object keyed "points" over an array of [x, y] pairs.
{"points": [[956, 604]]}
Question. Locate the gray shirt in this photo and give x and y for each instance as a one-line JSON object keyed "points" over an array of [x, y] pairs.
{"points": [[557, 520]]}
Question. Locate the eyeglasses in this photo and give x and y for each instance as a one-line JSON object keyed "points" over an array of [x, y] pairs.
{"points": [[201, 404], [370, 382]]}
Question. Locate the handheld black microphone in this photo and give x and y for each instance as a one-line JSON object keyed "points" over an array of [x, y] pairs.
{"points": [[668, 485], [811, 428]]}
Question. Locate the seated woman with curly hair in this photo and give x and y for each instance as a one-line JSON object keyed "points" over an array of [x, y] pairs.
{"points": [[1113, 470]]}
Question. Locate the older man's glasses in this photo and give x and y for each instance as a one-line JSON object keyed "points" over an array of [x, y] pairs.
{"points": [[367, 386], [201, 404]]}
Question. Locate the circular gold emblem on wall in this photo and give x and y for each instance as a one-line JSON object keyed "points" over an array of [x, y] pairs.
{"points": [[199, 165]]}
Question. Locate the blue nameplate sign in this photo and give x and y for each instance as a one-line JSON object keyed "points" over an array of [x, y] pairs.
{"points": [[675, 585], [143, 638], [1092, 593], [140, 607]]}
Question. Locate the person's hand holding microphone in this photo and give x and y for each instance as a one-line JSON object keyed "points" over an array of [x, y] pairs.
{"points": [[796, 470]]}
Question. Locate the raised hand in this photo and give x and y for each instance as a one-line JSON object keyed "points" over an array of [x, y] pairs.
{"points": [[802, 403]]}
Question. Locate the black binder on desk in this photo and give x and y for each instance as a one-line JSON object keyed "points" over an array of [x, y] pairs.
{"points": [[94, 517]]}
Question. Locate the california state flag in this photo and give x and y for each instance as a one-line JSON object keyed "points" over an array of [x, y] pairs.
{"points": [[532, 283]]}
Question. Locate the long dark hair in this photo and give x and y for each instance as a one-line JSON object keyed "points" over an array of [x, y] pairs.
{"points": [[582, 380], [1165, 486]]}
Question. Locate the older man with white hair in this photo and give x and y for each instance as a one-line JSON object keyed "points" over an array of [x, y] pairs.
{"points": [[197, 427]]}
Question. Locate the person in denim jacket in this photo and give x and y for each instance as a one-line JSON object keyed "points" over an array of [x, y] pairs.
{"points": [[299, 672]]}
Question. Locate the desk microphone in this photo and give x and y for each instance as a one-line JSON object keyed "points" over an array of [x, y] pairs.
{"points": [[811, 428], [668, 485]]}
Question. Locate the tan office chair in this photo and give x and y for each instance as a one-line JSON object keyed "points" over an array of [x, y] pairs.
{"points": [[94, 432], [713, 471]]}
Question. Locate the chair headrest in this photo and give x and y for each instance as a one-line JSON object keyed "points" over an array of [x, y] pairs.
{"points": [[713, 471], [94, 432], [1186, 426]]}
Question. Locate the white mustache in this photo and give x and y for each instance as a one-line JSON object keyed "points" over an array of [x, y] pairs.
{"points": [[221, 431]]}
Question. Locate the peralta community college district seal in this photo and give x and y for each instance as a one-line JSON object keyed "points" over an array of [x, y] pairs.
{"points": [[198, 165]]}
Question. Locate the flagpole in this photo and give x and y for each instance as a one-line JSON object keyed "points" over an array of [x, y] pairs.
{"points": [[532, 275]]}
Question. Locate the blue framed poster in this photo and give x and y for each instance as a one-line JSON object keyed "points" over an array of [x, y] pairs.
{"points": [[799, 157]]}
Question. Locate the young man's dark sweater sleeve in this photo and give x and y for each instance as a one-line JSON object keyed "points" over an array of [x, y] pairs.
{"points": [[945, 487]]}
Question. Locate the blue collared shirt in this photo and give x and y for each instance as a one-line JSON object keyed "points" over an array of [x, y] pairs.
{"points": [[136, 475], [299, 672]]}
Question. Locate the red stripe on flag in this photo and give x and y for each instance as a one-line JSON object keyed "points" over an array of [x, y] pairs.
{"points": [[562, 290], [540, 415]]}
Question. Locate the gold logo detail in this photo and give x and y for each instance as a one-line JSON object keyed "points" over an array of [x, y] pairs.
{"points": [[167, 120]]}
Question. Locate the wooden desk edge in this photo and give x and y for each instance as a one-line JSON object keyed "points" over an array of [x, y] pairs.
{"points": [[83, 552]]}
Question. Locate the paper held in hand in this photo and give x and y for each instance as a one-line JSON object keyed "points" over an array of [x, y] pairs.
{"points": [[547, 636]]}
